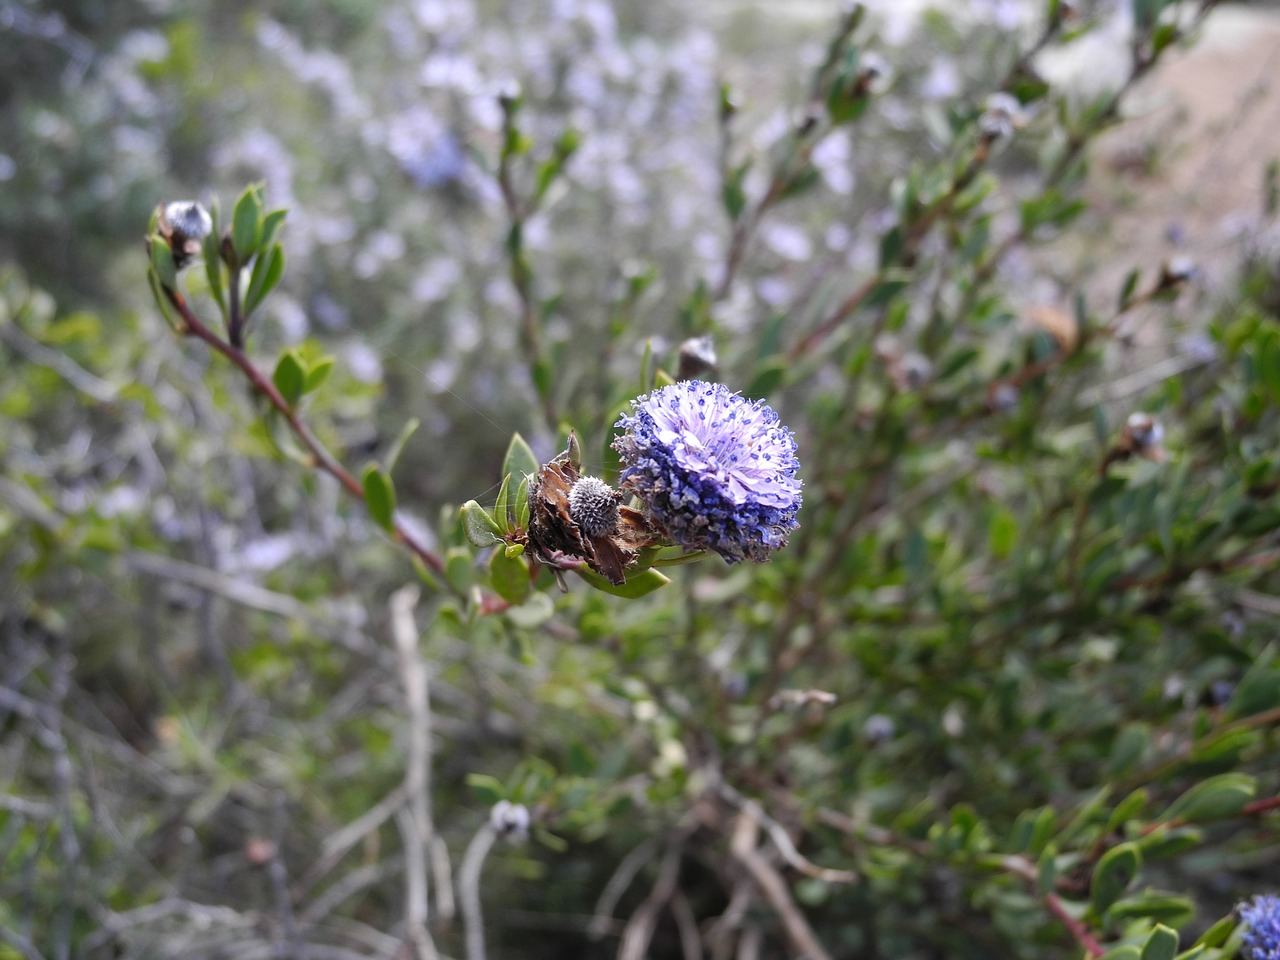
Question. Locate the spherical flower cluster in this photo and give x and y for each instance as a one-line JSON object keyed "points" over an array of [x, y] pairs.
{"points": [[1261, 916], [714, 471]]}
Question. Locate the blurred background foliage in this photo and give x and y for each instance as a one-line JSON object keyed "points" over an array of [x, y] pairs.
{"points": [[1012, 689]]}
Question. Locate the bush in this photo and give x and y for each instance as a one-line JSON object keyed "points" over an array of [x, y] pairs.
{"points": [[1011, 689]]}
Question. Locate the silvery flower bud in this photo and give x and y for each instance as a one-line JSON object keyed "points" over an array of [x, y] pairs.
{"points": [[698, 360], [510, 820], [1002, 115], [185, 224]]}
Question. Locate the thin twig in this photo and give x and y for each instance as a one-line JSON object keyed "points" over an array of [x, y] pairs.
{"points": [[778, 834], [418, 775], [626, 871], [686, 926], [639, 929], [743, 847], [469, 889]]}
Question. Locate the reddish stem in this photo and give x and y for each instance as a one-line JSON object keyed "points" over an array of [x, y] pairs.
{"points": [[323, 458], [1077, 929]]}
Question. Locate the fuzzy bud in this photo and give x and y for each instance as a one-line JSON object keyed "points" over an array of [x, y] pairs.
{"points": [[698, 360], [593, 505], [510, 820]]}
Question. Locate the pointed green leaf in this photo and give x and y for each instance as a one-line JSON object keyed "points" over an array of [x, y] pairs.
{"points": [[481, 530], [520, 460], [1213, 799], [246, 223], [1112, 876], [1217, 934], [522, 505], [397, 447], [1126, 952], [162, 261], [1162, 944], [271, 224], [639, 585], [380, 496], [289, 377], [318, 374], [213, 267], [1128, 809], [1171, 909], [502, 506], [267, 271]]}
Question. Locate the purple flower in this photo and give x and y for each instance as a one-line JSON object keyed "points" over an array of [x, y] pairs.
{"points": [[1261, 916], [715, 471]]}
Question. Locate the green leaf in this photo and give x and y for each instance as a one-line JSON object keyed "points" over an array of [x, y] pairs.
{"points": [[162, 261], [1002, 533], [502, 507], [213, 267], [1168, 908], [509, 576], [1217, 934], [317, 374], [267, 271], [522, 505], [1162, 944], [639, 585], [520, 460], [1128, 809], [1126, 952], [289, 377], [488, 790], [397, 447], [246, 223], [533, 613], [481, 529], [1112, 876], [271, 224], [1215, 798], [380, 496]]}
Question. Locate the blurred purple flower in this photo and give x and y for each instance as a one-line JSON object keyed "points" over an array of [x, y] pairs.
{"points": [[1261, 916], [715, 471]]}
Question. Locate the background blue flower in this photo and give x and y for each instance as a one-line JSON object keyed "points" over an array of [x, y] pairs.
{"points": [[716, 471], [1262, 919]]}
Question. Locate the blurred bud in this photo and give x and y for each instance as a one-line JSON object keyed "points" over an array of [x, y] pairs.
{"points": [[1058, 324], [510, 96], [910, 372], [1002, 397], [184, 224], [593, 505], [510, 820], [887, 349], [1176, 271], [259, 851], [1143, 435], [1002, 115], [698, 360], [874, 75], [795, 699], [729, 103], [878, 728]]}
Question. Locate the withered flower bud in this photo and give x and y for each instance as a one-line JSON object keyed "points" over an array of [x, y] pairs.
{"points": [[575, 520]]}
